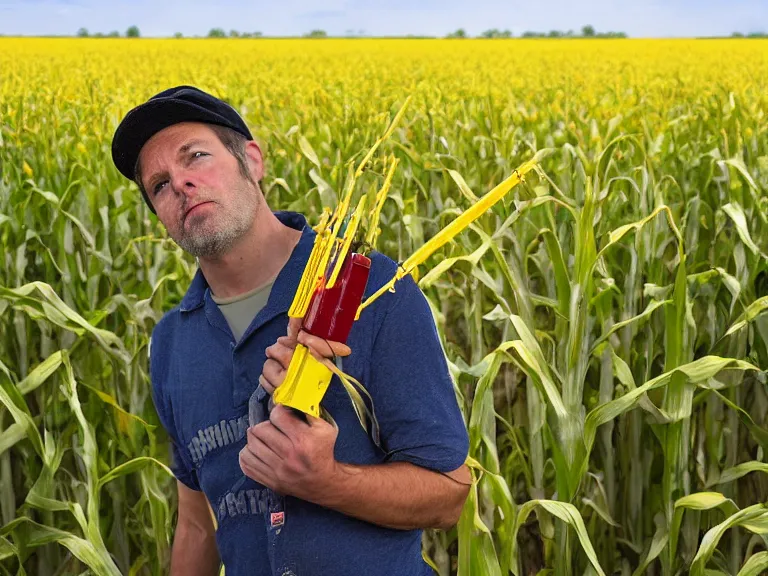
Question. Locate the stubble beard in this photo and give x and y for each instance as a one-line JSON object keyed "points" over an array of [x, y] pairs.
{"points": [[215, 235]]}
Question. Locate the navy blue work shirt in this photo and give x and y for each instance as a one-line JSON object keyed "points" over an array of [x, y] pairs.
{"points": [[202, 380]]}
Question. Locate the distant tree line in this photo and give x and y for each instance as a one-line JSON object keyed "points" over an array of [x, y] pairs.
{"points": [[586, 32], [749, 35], [220, 33], [132, 32]]}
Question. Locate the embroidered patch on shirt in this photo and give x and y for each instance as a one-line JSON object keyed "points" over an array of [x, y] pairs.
{"points": [[277, 519]]}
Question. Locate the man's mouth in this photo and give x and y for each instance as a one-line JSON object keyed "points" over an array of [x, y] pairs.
{"points": [[189, 211]]}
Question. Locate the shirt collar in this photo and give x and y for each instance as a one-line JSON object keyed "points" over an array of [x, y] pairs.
{"points": [[289, 276]]}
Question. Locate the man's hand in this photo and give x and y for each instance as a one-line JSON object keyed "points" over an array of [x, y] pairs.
{"points": [[280, 353], [278, 358], [285, 453], [295, 457], [290, 456]]}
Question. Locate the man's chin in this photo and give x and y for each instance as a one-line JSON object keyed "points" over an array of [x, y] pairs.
{"points": [[206, 246]]}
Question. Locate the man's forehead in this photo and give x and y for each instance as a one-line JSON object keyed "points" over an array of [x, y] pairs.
{"points": [[172, 138]]}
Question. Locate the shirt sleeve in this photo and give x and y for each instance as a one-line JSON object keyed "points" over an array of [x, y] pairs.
{"points": [[181, 468], [413, 393]]}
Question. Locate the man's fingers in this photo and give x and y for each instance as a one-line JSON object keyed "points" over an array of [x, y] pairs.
{"points": [[315, 422], [294, 325], [272, 438], [280, 351], [287, 342], [261, 449], [267, 385], [322, 347], [255, 468], [250, 460], [274, 373], [286, 422]]}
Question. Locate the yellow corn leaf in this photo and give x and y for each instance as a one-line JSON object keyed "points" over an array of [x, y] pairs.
{"points": [[381, 196], [453, 229], [354, 388], [393, 124], [349, 235], [309, 276]]}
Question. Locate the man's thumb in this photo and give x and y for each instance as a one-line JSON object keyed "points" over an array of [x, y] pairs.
{"points": [[294, 325]]}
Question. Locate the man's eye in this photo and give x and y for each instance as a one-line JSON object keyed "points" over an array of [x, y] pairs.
{"points": [[159, 186], [198, 154]]}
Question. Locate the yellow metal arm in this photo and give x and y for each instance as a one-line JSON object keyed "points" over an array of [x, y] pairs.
{"points": [[305, 383]]}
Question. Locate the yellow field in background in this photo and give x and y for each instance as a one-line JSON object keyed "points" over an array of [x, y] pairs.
{"points": [[627, 275]]}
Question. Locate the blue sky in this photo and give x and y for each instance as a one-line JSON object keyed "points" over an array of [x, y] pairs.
{"points": [[639, 18]]}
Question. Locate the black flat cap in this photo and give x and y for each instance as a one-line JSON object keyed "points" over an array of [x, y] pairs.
{"points": [[169, 107]]}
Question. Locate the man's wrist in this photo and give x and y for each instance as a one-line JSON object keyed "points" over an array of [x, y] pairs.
{"points": [[339, 486]]}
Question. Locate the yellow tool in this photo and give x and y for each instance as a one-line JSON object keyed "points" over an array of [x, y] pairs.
{"points": [[329, 297]]}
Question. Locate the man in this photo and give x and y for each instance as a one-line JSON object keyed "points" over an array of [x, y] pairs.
{"points": [[291, 496]]}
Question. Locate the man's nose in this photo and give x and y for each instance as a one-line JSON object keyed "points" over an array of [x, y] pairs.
{"points": [[183, 183]]}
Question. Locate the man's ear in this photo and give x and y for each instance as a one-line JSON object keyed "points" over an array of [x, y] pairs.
{"points": [[255, 160]]}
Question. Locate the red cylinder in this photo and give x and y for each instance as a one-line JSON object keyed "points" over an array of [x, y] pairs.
{"points": [[332, 311]]}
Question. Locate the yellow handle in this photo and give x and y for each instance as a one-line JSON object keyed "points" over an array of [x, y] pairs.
{"points": [[305, 383]]}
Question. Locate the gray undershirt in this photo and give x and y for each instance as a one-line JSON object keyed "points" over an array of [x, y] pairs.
{"points": [[240, 310]]}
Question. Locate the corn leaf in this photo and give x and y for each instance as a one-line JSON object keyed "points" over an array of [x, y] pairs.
{"points": [[568, 514], [755, 565], [713, 535]]}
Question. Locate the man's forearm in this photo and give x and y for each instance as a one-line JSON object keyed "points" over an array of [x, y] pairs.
{"points": [[194, 552], [396, 495]]}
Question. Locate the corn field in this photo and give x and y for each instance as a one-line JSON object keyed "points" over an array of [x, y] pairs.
{"points": [[604, 323]]}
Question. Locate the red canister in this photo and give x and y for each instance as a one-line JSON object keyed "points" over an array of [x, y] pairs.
{"points": [[332, 311]]}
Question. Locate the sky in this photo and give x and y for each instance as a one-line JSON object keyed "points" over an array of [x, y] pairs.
{"points": [[638, 18]]}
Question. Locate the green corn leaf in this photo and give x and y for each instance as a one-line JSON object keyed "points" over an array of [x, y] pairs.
{"points": [[429, 561], [703, 501], [98, 560], [755, 565], [444, 265], [736, 213], [465, 190], [713, 536], [562, 278], [736, 472], [476, 554], [11, 435], [50, 307], [538, 373], [655, 548], [752, 311], [759, 433], [130, 467], [698, 501], [623, 373], [123, 416], [22, 417], [524, 207], [41, 373], [652, 305], [7, 549], [601, 511], [696, 372], [568, 514], [308, 151], [617, 234]]}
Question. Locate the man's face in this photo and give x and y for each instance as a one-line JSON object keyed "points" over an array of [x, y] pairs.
{"points": [[197, 188]]}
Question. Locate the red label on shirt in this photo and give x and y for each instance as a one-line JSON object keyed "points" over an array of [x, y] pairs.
{"points": [[278, 518]]}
